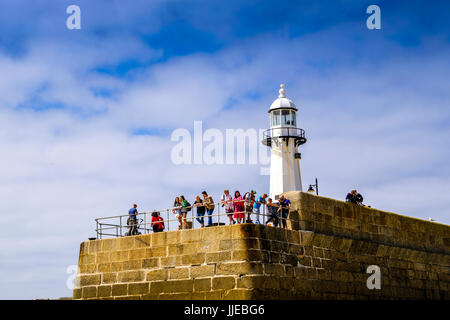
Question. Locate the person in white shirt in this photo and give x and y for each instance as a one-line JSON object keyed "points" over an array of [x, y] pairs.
{"points": [[227, 202], [249, 198]]}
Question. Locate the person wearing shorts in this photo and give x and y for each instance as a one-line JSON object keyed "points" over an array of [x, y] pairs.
{"points": [[177, 211], [249, 198], [227, 202]]}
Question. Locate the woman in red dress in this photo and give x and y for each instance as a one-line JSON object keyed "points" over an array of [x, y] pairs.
{"points": [[239, 210]]}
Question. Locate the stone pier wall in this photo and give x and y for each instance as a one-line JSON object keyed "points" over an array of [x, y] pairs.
{"points": [[323, 255]]}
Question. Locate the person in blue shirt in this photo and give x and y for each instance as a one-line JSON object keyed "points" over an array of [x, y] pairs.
{"points": [[133, 212], [132, 221], [257, 206]]}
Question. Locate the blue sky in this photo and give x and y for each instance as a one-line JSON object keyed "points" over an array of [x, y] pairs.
{"points": [[86, 115]]}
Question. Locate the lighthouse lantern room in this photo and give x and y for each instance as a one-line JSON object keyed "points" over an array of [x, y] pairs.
{"points": [[283, 138]]}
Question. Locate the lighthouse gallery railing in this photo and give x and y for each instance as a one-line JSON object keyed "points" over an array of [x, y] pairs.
{"points": [[284, 132]]}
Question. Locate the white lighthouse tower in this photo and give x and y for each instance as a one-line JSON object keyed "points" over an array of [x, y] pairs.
{"points": [[283, 138]]}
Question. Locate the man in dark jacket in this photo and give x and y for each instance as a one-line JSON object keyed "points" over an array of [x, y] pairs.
{"points": [[354, 197], [284, 206]]}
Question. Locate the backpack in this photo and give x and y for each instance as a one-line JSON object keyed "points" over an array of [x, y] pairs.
{"points": [[245, 198], [359, 198], [189, 206]]}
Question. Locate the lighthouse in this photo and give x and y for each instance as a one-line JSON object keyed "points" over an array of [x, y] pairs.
{"points": [[284, 138]]}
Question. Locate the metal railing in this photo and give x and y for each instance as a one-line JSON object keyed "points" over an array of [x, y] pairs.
{"points": [[119, 226], [284, 132]]}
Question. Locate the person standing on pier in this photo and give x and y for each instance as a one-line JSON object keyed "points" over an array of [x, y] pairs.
{"points": [[209, 204], [132, 220]]}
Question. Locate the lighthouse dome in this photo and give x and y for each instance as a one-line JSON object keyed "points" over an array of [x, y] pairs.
{"points": [[282, 102]]}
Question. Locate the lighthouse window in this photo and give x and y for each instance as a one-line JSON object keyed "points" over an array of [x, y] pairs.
{"points": [[292, 118], [285, 117], [276, 118]]}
